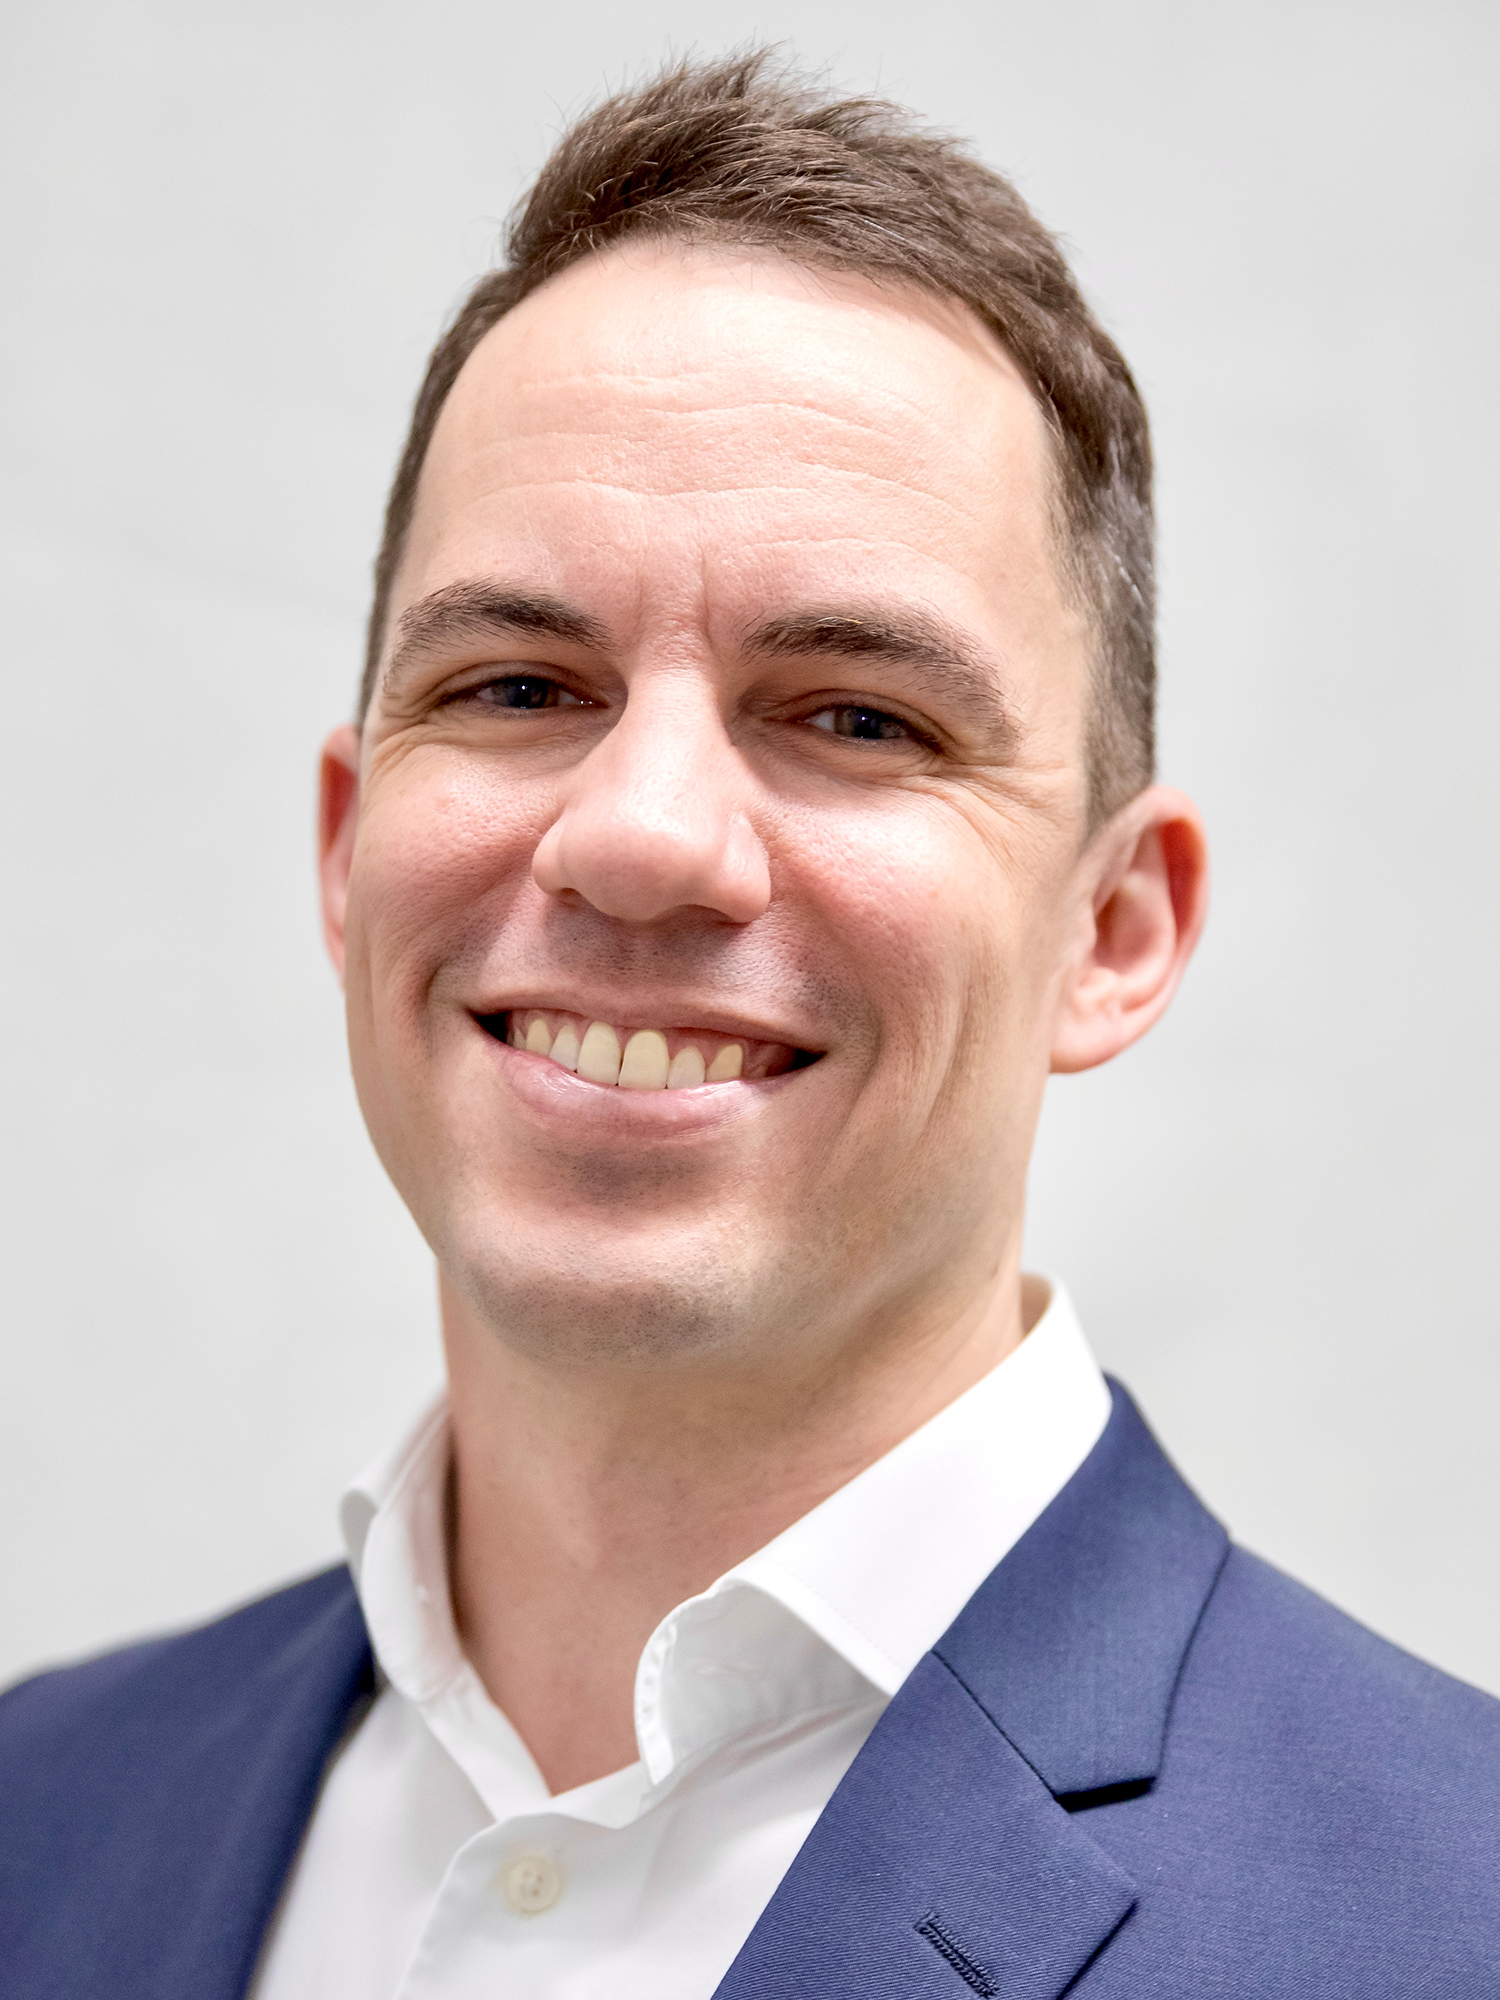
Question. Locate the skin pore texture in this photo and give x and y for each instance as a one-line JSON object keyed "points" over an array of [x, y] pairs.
{"points": [[731, 699]]}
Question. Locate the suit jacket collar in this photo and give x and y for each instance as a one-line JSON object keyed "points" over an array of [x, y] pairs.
{"points": [[950, 1856]]}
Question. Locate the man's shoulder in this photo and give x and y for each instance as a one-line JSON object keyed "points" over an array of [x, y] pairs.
{"points": [[189, 1674], [1276, 1667], [151, 1799], [1326, 1815]]}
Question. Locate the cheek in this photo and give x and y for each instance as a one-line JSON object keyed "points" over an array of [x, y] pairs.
{"points": [[949, 935], [441, 849]]}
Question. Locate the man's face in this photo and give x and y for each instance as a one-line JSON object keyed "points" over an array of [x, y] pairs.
{"points": [[731, 701]]}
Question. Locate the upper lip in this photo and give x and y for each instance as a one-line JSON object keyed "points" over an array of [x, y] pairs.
{"points": [[651, 1010]]}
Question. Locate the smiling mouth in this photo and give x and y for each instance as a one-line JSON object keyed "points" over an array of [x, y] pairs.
{"points": [[642, 1058]]}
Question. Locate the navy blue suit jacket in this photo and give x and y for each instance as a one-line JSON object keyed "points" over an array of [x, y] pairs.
{"points": [[1140, 1763]]}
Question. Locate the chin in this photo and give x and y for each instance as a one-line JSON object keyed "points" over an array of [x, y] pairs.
{"points": [[675, 1303]]}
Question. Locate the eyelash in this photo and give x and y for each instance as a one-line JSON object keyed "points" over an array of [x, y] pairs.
{"points": [[904, 731], [483, 688], [909, 733]]}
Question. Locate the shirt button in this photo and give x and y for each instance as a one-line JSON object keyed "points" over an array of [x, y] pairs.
{"points": [[531, 1883]]}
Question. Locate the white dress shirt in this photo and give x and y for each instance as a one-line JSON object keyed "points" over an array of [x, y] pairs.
{"points": [[438, 1867]]}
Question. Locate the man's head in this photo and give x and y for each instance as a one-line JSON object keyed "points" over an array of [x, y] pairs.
{"points": [[737, 685], [738, 153]]}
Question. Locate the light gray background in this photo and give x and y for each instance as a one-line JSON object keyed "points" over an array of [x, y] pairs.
{"points": [[230, 235]]}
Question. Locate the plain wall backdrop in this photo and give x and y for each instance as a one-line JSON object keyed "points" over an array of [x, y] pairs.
{"points": [[230, 235]]}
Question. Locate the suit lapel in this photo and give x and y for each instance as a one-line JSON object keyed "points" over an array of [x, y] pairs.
{"points": [[949, 1858], [941, 1859], [259, 1766], [1074, 1643]]}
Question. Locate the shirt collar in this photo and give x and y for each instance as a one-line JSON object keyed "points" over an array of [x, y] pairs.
{"points": [[835, 1611], [883, 1566]]}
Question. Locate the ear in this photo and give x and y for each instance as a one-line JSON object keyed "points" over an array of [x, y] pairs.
{"points": [[1146, 885], [338, 816]]}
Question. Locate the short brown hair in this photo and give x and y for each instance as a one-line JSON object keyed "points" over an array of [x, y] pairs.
{"points": [[741, 151]]}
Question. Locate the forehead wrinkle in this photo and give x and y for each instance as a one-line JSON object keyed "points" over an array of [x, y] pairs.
{"points": [[650, 418], [634, 465], [670, 397], [879, 528], [670, 388], [829, 445], [849, 476]]}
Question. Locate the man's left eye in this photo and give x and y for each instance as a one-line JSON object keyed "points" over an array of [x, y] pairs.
{"points": [[525, 691], [865, 725]]}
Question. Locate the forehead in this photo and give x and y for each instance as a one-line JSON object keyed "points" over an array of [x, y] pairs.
{"points": [[670, 423]]}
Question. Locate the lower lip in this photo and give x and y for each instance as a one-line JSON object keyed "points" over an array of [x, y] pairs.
{"points": [[559, 1098]]}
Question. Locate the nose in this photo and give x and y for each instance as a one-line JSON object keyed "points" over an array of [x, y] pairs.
{"points": [[654, 820]]}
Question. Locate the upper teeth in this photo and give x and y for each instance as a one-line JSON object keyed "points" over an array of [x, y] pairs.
{"points": [[643, 1064]]}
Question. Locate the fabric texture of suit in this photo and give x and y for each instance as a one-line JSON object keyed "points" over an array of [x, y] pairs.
{"points": [[1140, 1765]]}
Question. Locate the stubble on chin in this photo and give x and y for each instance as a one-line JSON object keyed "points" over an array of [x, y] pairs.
{"points": [[580, 1314]]}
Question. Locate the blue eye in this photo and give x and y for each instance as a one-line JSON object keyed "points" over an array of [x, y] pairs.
{"points": [[525, 691], [863, 725]]}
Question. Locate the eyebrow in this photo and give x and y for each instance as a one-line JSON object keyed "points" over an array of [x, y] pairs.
{"points": [[920, 643], [483, 610]]}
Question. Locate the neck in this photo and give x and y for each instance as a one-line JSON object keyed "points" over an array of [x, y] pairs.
{"points": [[590, 1501]]}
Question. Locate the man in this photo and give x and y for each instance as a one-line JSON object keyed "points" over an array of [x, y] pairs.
{"points": [[751, 804]]}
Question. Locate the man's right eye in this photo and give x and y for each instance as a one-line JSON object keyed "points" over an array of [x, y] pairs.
{"points": [[524, 691]]}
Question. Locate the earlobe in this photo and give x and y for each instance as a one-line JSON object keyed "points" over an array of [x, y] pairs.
{"points": [[338, 817], [1146, 904]]}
